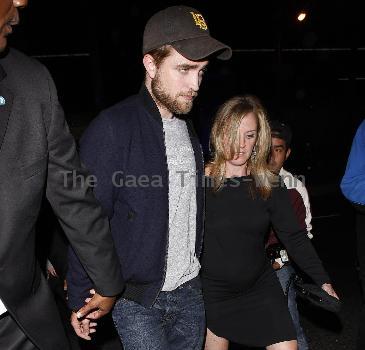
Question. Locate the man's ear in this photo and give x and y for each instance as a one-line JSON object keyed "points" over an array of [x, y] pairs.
{"points": [[288, 151], [150, 65]]}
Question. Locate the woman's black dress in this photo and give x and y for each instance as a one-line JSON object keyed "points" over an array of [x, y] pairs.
{"points": [[243, 298]]}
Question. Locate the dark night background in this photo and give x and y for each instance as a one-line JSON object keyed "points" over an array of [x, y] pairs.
{"points": [[309, 74]]}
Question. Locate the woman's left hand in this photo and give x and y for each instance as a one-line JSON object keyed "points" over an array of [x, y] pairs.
{"points": [[327, 287]]}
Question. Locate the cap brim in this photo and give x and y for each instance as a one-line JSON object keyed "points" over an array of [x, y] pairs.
{"points": [[198, 48]]}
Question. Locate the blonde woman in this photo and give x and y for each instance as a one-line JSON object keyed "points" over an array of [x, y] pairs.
{"points": [[243, 298]]}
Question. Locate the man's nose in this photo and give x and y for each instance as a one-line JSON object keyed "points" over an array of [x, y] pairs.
{"points": [[20, 3], [195, 82]]}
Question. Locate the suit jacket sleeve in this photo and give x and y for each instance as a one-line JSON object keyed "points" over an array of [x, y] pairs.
{"points": [[73, 202]]}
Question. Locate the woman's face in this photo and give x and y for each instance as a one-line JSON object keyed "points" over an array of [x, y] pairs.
{"points": [[247, 140]]}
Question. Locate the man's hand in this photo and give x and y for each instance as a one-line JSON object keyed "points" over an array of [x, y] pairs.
{"points": [[51, 270], [96, 307], [83, 328], [276, 265], [327, 287]]}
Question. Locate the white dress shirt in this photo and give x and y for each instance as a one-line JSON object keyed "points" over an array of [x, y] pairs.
{"points": [[2, 308]]}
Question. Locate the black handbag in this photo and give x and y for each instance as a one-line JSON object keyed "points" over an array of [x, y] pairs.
{"points": [[315, 295]]}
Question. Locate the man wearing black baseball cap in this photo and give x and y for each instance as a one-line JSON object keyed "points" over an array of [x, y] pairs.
{"points": [[185, 29], [146, 158]]}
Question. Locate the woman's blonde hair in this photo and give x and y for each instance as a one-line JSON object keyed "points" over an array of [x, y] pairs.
{"points": [[225, 132]]}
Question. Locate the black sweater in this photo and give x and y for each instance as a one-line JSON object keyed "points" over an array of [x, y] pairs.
{"points": [[235, 230]]}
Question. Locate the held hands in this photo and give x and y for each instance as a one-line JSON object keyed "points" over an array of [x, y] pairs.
{"points": [[84, 327], [327, 287], [95, 307]]}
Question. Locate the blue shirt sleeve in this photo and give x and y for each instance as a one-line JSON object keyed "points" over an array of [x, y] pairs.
{"points": [[353, 181]]}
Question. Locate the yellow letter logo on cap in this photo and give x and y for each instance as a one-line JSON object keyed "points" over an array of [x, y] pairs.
{"points": [[199, 20]]}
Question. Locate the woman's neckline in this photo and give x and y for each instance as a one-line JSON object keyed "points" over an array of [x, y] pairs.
{"points": [[238, 177]]}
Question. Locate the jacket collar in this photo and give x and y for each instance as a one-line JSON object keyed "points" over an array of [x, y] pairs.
{"points": [[149, 103], [2, 70], [2, 73], [5, 108]]}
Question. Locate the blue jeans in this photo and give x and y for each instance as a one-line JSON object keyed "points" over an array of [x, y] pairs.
{"points": [[284, 275], [175, 322]]}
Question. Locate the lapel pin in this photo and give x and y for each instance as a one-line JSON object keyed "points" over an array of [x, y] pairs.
{"points": [[2, 101]]}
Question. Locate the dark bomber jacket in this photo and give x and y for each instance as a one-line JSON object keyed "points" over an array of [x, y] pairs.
{"points": [[124, 149]]}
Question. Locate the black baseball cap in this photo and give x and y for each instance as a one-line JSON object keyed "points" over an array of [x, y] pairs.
{"points": [[185, 29], [281, 130]]}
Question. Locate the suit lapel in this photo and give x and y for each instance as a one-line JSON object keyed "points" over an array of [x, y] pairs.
{"points": [[6, 103]]}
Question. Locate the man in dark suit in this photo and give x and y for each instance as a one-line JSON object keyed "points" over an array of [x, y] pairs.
{"points": [[37, 153]]}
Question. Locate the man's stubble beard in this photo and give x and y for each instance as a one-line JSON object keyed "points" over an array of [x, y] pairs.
{"points": [[165, 100]]}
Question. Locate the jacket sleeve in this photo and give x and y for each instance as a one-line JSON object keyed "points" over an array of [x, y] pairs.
{"points": [[298, 206], [353, 182], [72, 200], [78, 282], [308, 214], [99, 156]]}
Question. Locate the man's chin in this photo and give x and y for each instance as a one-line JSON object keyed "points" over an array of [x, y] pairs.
{"points": [[275, 171], [185, 108]]}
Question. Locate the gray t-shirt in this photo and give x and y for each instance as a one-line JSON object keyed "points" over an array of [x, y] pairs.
{"points": [[182, 263]]}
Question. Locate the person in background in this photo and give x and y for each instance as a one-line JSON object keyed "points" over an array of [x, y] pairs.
{"points": [[353, 188], [281, 137]]}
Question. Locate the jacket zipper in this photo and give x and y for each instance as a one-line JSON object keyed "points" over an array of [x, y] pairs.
{"points": [[203, 221], [191, 132], [167, 225]]}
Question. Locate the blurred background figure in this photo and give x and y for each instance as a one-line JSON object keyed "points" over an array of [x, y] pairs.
{"points": [[281, 138], [353, 188]]}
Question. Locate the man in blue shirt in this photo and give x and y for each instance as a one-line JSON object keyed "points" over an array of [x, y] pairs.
{"points": [[353, 188]]}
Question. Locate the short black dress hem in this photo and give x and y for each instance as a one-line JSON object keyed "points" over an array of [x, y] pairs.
{"points": [[243, 298]]}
